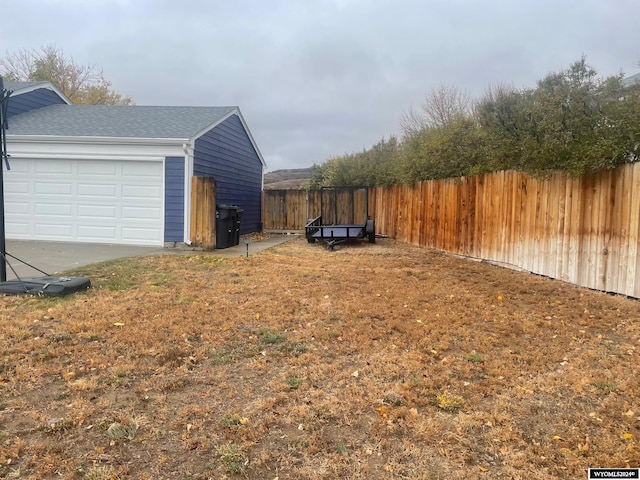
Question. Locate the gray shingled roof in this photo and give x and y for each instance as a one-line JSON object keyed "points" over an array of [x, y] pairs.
{"points": [[632, 80], [132, 121], [17, 86]]}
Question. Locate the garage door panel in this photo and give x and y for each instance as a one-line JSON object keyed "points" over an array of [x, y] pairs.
{"points": [[96, 233], [135, 234], [98, 169], [17, 208], [97, 190], [16, 187], [141, 213], [20, 229], [53, 167], [20, 167], [141, 191], [53, 209], [142, 169], [47, 188], [100, 212], [54, 230], [85, 201]]}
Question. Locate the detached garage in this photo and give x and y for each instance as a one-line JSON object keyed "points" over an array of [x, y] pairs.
{"points": [[122, 174]]}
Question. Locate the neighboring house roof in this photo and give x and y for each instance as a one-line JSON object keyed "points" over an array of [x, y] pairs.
{"points": [[632, 80], [19, 88]]}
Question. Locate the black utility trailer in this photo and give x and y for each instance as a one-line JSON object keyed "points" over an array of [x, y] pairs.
{"points": [[333, 235], [343, 216]]}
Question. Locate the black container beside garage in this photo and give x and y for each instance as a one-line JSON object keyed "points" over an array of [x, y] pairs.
{"points": [[228, 225]]}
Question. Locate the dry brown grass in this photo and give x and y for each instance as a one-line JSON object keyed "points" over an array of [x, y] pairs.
{"points": [[373, 362]]}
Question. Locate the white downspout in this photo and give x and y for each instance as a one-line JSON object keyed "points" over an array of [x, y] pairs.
{"points": [[188, 173]]}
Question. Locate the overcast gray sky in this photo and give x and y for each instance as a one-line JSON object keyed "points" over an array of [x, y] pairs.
{"points": [[318, 78]]}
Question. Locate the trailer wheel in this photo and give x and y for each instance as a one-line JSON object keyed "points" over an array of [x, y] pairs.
{"points": [[370, 228], [311, 240]]}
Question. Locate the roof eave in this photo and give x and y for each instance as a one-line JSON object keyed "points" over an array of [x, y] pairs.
{"points": [[95, 140], [46, 85]]}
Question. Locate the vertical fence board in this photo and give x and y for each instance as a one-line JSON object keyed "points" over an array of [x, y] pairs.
{"points": [[577, 230], [416, 215], [529, 214], [500, 214], [541, 219], [516, 235], [422, 193], [600, 217], [566, 232], [477, 224], [557, 208], [429, 221], [454, 228], [464, 216], [473, 216], [588, 267], [611, 247], [447, 202], [524, 221], [622, 226], [633, 263]]}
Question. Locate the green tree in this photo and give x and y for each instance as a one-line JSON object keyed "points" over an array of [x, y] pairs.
{"points": [[453, 150], [82, 84], [382, 167], [377, 166], [572, 118], [502, 115]]}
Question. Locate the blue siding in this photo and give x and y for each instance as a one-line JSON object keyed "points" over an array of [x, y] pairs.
{"points": [[24, 102], [174, 199], [227, 154]]}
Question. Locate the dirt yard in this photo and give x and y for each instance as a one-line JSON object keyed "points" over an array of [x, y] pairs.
{"points": [[381, 361]]}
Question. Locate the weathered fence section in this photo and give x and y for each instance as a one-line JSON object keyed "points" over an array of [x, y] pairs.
{"points": [[291, 209], [285, 209], [339, 205], [203, 212], [584, 231]]}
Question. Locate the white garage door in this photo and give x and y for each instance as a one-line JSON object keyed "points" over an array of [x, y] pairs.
{"points": [[85, 201]]}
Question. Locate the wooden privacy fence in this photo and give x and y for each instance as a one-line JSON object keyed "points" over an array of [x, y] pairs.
{"points": [[291, 209], [203, 212], [285, 209], [584, 231]]}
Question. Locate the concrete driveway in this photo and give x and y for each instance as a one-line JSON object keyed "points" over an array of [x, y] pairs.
{"points": [[57, 257]]}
